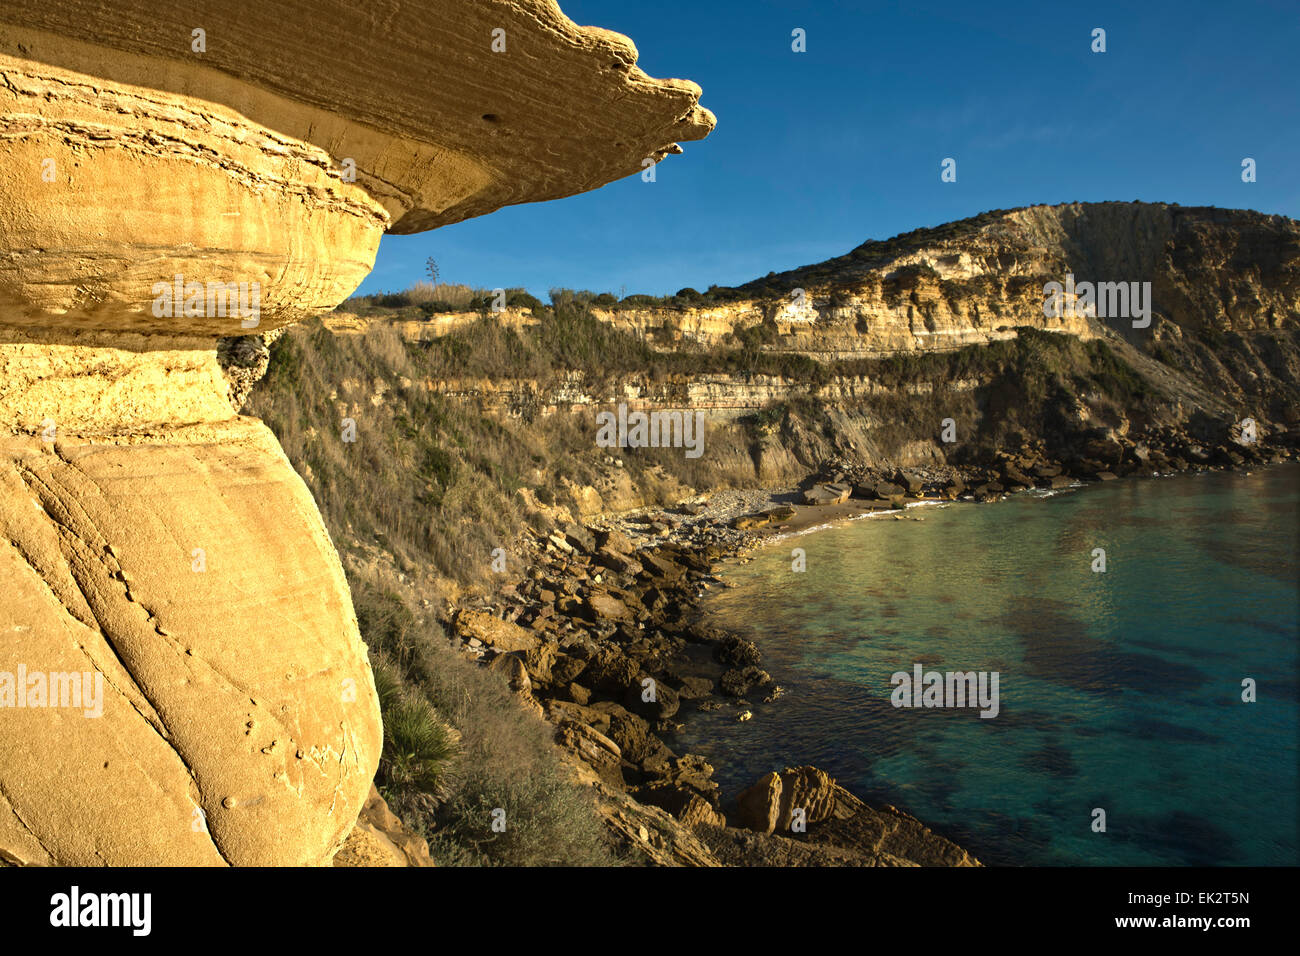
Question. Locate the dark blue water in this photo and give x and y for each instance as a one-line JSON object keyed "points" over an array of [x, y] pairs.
{"points": [[1118, 690]]}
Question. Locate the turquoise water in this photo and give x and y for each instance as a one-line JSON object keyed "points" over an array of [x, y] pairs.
{"points": [[1118, 690]]}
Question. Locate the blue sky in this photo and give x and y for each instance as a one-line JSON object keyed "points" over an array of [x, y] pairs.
{"points": [[817, 152]]}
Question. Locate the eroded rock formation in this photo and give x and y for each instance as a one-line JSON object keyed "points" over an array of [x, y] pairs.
{"points": [[171, 177]]}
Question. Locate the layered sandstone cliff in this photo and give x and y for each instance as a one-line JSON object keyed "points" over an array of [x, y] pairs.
{"points": [[173, 176], [1212, 272], [977, 280], [943, 323], [1223, 335]]}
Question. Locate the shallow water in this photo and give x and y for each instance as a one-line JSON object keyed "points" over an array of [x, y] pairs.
{"points": [[1118, 690]]}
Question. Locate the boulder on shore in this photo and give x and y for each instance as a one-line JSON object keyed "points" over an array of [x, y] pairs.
{"points": [[473, 623], [770, 803], [653, 701], [832, 494], [601, 606], [909, 482]]}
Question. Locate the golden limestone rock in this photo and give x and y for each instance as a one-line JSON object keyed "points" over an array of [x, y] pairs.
{"points": [[182, 679], [265, 148], [192, 594]]}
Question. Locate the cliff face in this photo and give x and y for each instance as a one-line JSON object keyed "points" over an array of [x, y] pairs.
{"points": [[977, 280], [195, 576], [1223, 298], [168, 183], [1223, 335], [448, 109], [881, 313], [936, 324]]}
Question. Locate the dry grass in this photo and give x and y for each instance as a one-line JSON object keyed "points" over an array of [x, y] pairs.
{"points": [[454, 294], [449, 785]]}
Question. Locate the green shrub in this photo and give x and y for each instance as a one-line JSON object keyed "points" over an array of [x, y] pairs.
{"points": [[548, 822], [520, 299], [642, 302], [419, 749], [388, 683]]}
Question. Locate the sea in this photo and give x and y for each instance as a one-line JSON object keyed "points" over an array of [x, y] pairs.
{"points": [[1144, 633]]}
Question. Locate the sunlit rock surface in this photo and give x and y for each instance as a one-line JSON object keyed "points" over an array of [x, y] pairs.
{"points": [[172, 175]]}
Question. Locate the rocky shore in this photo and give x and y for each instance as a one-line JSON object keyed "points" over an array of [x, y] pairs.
{"points": [[604, 639]]}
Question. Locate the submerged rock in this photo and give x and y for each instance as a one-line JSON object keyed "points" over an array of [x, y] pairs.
{"points": [[740, 680]]}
